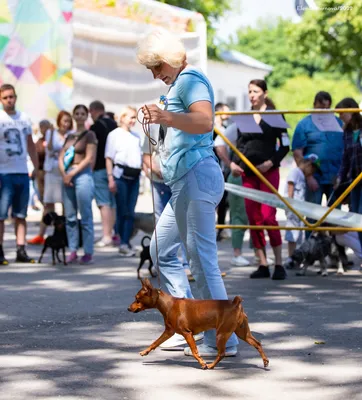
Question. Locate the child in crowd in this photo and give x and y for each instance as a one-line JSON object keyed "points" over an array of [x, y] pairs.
{"points": [[295, 189]]}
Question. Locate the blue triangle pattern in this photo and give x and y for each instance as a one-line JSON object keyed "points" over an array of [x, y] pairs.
{"points": [[31, 12]]}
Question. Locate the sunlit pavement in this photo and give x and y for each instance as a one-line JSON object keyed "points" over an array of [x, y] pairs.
{"points": [[66, 334]]}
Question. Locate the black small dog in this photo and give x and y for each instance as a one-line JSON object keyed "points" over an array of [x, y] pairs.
{"points": [[316, 248], [144, 256], [58, 241]]}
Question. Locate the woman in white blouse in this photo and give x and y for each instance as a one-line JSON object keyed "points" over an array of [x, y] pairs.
{"points": [[124, 162]]}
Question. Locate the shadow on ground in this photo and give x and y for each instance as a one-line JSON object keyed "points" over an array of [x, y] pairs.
{"points": [[66, 333]]}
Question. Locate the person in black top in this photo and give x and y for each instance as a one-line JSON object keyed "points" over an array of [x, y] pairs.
{"points": [[103, 124], [264, 150]]}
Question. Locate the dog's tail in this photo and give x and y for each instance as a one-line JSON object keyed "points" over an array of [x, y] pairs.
{"points": [[237, 301], [143, 240]]}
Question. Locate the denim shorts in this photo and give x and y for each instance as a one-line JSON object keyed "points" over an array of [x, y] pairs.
{"points": [[101, 193], [14, 193]]}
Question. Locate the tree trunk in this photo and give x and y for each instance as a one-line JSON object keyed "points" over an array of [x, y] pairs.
{"points": [[359, 80]]}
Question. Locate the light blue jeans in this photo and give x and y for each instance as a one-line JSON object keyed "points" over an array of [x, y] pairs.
{"points": [[79, 198], [189, 217], [162, 195]]}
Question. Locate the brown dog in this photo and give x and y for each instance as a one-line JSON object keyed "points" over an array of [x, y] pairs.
{"points": [[189, 317]]}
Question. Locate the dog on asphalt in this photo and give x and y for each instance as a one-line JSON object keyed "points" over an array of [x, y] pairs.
{"points": [[58, 241], [318, 247], [189, 317], [145, 255]]}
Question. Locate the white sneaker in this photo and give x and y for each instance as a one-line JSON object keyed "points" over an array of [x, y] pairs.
{"points": [[103, 243], [125, 251], [239, 261], [207, 351], [178, 340]]}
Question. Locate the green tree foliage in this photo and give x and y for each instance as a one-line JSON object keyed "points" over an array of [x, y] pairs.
{"points": [[298, 94], [335, 32], [212, 10], [270, 44]]}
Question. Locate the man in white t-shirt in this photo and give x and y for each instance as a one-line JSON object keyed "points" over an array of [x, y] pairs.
{"points": [[15, 144]]}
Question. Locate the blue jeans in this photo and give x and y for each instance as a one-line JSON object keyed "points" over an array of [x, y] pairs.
{"points": [[126, 199], [356, 204], [14, 193], [102, 194], [162, 194], [189, 217], [79, 198]]}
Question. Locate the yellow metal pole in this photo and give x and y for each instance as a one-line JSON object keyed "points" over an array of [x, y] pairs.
{"points": [[291, 228], [272, 188], [340, 199], [313, 111], [262, 178]]}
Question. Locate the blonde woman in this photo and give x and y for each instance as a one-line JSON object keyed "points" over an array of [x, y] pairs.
{"points": [[190, 168], [124, 163]]}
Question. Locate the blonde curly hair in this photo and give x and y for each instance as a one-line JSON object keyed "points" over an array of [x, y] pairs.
{"points": [[161, 46]]}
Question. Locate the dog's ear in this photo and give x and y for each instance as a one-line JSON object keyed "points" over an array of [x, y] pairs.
{"points": [[147, 284], [47, 219]]}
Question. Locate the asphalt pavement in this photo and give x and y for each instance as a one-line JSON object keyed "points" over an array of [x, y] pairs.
{"points": [[66, 334]]}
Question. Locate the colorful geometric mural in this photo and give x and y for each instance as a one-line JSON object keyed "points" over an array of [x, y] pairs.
{"points": [[35, 54]]}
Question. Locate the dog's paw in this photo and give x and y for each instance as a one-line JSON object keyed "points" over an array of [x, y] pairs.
{"points": [[204, 366], [266, 363], [144, 352], [340, 271]]}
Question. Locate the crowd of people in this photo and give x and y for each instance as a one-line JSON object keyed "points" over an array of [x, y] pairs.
{"points": [[109, 157], [108, 160], [76, 162], [326, 162]]}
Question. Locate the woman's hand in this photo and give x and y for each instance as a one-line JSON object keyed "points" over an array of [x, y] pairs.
{"points": [[236, 170], [112, 185], [153, 114], [67, 179], [265, 167]]}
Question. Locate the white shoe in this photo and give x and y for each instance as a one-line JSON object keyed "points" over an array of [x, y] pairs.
{"points": [[178, 340], [239, 261], [125, 251], [103, 243], [207, 351]]}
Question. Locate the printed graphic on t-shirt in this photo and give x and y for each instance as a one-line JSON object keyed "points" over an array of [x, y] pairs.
{"points": [[13, 142]]}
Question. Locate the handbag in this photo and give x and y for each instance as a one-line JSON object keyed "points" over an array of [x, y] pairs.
{"points": [[128, 172], [68, 157]]}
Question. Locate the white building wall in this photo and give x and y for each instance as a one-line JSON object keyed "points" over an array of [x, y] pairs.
{"points": [[230, 82]]}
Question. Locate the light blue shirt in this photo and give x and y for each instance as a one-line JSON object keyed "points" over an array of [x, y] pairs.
{"points": [[327, 145], [180, 151]]}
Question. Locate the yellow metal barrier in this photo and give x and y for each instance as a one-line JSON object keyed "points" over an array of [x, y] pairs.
{"points": [[312, 111], [290, 228], [309, 226]]}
